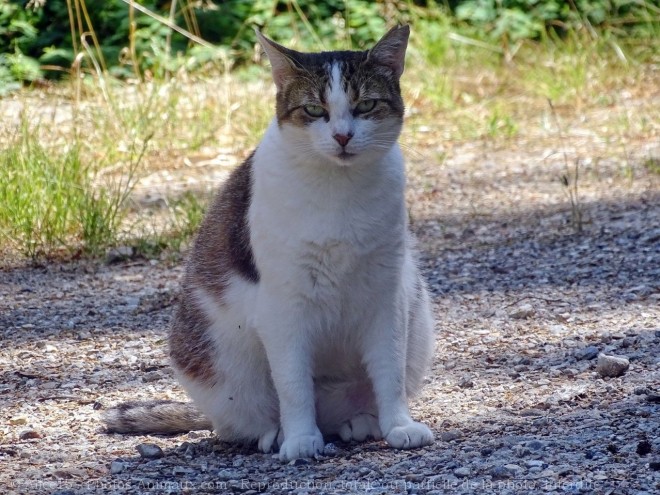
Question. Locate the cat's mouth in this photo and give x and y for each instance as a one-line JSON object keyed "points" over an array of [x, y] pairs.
{"points": [[345, 155]]}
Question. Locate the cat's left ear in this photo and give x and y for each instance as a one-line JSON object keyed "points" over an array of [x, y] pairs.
{"points": [[281, 60], [390, 51]]}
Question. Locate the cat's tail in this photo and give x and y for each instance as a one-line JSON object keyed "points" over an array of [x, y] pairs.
{"points": [[158, 417]]}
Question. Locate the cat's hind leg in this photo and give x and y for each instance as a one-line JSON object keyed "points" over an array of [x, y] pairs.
{"points": [[222, 365], [360, 427], [347, 409]]}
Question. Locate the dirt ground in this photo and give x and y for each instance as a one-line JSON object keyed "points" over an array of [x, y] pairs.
{"points": [[524, 301]]}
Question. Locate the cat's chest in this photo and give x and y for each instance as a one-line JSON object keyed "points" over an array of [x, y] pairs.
{"points": [[324, 255]]}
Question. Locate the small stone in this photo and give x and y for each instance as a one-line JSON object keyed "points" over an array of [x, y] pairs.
{"points": [[116, 467], [521, 450], [72, 472], [535, 445], [118, 254], [588, 353], [413, 477], [28, 434], [18, 420], [533, 463], [541, 422], [450, 435], [514, 469], [523, 312], [150, 451], [152, 376], [182, 470], [462, 472], [532, 412], [500, 473], [330, 450], [644, 447], [653, 398], [466, 382], [612, 366]]}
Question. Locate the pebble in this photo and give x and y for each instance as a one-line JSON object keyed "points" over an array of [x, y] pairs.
{"points": [[644, 447], [523, 312], [450, 435], [521, 450], [462, 472], [514, 469], [18, 420], [612, 366], [152, 376], [118, 254], [330, 450], [588, 353], [413, 478], [116, 467], [28, 434], [535, 445], [466, 382], [150, 451], [500, 473]]}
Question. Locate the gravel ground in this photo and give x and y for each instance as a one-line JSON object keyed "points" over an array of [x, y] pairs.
{"points": [[526, 310]]}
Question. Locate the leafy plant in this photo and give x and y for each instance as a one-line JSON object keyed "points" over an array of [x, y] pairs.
{"points": [[532, 19]]}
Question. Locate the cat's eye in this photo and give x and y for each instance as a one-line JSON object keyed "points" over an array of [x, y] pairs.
{"points": [[314, 110], [365, 106]]}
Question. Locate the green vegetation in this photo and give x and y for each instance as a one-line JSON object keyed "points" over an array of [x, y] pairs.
{"points": [[136, 99], [43, 38]]}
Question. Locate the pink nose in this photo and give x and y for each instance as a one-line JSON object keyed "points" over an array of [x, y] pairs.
{"points": [[343, 139]]}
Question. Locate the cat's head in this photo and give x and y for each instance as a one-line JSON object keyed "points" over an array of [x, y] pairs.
{"points": [[345, 106]]}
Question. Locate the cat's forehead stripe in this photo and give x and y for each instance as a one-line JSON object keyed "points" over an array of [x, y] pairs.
{"points": [[336, 94]]}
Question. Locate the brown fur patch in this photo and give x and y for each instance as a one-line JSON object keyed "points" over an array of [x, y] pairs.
{"points": [[222, 250], [191, 349]]}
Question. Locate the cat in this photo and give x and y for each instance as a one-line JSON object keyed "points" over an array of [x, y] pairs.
{"points": [[302, 311]]}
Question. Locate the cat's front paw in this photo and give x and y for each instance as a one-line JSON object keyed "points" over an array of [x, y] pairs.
{"points": [[299, 446], [409, 436]]}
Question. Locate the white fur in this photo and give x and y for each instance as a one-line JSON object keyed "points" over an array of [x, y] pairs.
{"points": [[337, 278], [333, 338]]}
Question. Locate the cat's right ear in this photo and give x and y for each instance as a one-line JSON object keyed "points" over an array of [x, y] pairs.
{"points": [[281, 60]]}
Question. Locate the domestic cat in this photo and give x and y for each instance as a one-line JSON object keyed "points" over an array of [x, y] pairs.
{"points": [[303, 312]]}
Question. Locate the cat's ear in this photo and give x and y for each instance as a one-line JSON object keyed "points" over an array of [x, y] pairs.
{"points": [[390, 51], [281, 60]]}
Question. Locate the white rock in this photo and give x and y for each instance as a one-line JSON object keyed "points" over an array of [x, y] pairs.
{"points": [[116, 467], [612, 365]]}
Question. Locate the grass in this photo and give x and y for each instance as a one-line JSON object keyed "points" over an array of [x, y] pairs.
{"points": [[78, 162]]}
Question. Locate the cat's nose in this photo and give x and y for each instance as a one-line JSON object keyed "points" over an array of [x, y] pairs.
{"points": [[343, 139]]}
